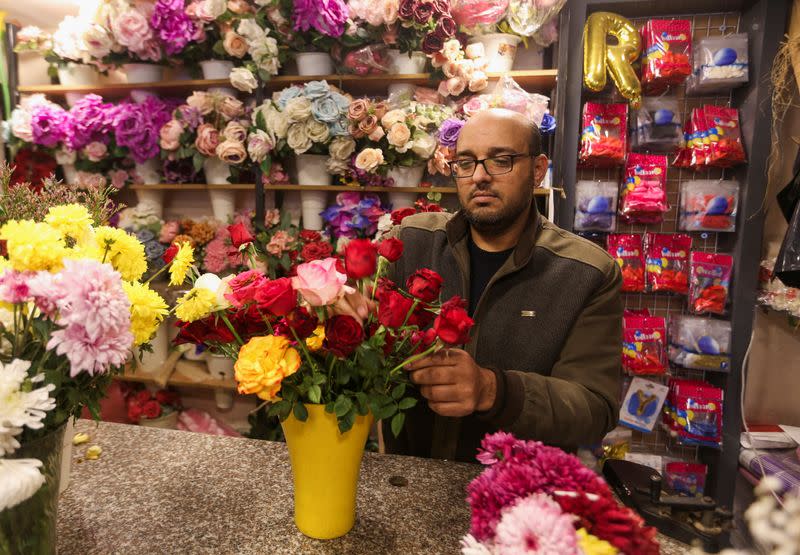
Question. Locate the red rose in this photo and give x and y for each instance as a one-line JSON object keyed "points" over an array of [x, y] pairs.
{"points": [[249, 323], [316, 250], [432, 43], [441, 7], [239, 235], [423, 12], [170, 253], [244, 287], [425, 285], [421, 317], [151, 409], [391, 249], [134, 412], [393, 308], [360, 258], [340, 266], [209, 329], [343, 335], [406, 9], [167, 397], [445, 27], [453, 323], [309, 236], [302, 322], [143, 396], [400, 214], [421, 340], [277, 296]]}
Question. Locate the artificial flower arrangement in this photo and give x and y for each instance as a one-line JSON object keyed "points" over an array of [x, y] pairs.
{"points": [[262, 56], [309, 25], [32, 166], [141, 404], [73, 42], [531, 494], [396, 217], [461, 68], [354, 215], [422, 25], [283, 246]]}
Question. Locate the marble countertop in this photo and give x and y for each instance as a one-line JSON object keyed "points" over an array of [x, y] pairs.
{"points": [[166, 491]]}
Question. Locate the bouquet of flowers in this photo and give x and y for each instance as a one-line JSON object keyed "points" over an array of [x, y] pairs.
{"points": [[531, 494], [445, 152], [354, 215], [422, 25], [142, 404], [309, 25], [210, 241], [396, 217], [77, 40], [283, 246], [262, 58], [32, 166], [462, 69]]}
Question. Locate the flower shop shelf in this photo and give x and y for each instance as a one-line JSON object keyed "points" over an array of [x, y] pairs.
{"points": [[536, 80], [541, 192], [193, 187], [187, 374]]}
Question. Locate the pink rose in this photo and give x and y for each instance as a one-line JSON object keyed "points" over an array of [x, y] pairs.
{"points": [[438, 60], [207, 139], [231, 152], [399, 134], [450, 69], [170, 135], [131, 29], [234, 131], [279, 243], [168, 232], [95, 151], [90, 181], [319, 283], [234, 44], [118, 178], [474, 104], [456, 85], [201, 101], [151, 51], [231, 107], [272, 216], [377, 134]]}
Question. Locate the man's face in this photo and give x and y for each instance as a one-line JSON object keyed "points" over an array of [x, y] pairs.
{"points": [[492, 203]]}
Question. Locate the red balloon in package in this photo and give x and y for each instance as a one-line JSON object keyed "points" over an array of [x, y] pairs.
{"points": [[668, 262], [644, 193], [724, 137], [693, 413], [698, 141], [628, 252], [667, 54], [710, 278], [683, 158], [604, 135], [644, 345]]}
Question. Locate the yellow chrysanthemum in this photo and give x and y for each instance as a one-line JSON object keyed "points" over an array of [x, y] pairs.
{"points": [[73, 220], [148, 310], [195, 304], [123, 251], [33, 245], [314, 341], [183, 260], [262, 365], [592, 545]]}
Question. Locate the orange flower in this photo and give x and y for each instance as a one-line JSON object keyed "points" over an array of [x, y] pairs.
{"points": [[262, 365]]}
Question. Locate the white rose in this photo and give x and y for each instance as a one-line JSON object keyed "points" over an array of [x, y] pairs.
{"points": [[21, 125], [277, 122], [424, 146], [475, 50], [218, 286], [98, 41], [336, 166], [250, 30], [67, 40], [215, 8], [298, 109], [259, 144], [297, 138], [342, 148], [369, 159], [243, 79], [317, 131], [452, 49], [393, 116], [269, 65]]}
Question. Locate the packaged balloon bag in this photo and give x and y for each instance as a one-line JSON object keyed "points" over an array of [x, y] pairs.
{"points": [[627, 250], [687, 479], [641, 407], [709, 282], [667, 54], [720, 64], [698, 140], [724, 134], [644, 345], [708, 205], [668, 262], [604, 135], [700, 343], [693, 413], [657, 126], [683, 158], [596, 205], [644, 190]]}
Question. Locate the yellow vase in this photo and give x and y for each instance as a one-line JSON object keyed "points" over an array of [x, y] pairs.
{"points": [[325, 466]]}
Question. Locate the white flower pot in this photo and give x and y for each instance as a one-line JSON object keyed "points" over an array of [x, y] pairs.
{"points": [[152, 362], [223, 204], [405, 176], [312, 170], [314, 63], [499, 49], [221, 368], [143, 73], [216, 69], [401, 63], [77, 75], [66, 456], [70, 173], [73, 97], [292, 205], [217, 172], [190, 352], [148, 173], [151, 200]]}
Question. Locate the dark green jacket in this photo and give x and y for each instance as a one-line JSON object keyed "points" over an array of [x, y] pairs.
{"points": [[549, 324]]}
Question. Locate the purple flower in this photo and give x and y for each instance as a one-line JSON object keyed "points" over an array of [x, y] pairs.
{"points": [[190, 117], [326, 16], [90, 121], [172, 25], [548, 125], [137, 126], [353, 216], [179, 171], [449, 131], [50, 125]]}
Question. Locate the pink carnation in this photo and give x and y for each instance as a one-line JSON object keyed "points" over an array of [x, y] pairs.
{"points": [[216, 257], [46, 292], [14, 286], [536, 524]]}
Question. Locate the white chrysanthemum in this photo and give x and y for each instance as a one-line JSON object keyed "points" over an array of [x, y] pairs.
{"points": [[471, 546], [19, 480], [19, 408]]}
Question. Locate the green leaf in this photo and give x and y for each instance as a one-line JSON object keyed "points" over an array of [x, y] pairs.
{"points": [[329, 407], [318, 379], [397, 423], [314, 394], [219, 49], [346, 422], [384, 412], [407, 403], [343, 406], [300, 412], [261, 123], [398, 391], [362, 403], [197, 161]]}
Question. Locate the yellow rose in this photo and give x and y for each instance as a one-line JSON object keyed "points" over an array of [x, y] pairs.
{"points": [[314, 342], [262, 365]]}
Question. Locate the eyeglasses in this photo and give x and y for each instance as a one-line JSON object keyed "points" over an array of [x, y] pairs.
{"points": [[496, 165]]}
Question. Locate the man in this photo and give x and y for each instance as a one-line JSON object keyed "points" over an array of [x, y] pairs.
{"points": [[543, 361]]}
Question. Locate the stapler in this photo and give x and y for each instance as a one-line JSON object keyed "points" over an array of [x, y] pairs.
{"points": [[687, 519]]}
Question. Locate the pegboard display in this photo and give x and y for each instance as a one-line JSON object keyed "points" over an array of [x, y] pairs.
{"points": [[662, 304]]}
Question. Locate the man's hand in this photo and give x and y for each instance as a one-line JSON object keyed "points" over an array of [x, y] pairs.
{"points": [[453, 383], [356, 305]]}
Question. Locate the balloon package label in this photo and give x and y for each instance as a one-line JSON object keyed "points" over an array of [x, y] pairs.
{"points": [[700, 343], [642, 404], [644, 191], [693, 413], [724, 145], [657, 126], [596, 205], [603, 135], [710, 278], [668, 262], [687, 479], [667, 54], [627, 250], [644, 345], [708, 205], [720, 64]]}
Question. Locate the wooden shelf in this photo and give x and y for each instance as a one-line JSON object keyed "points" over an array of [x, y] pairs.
{"points": [[333, 188], [537, 80], [187, 373], [194, 187]]}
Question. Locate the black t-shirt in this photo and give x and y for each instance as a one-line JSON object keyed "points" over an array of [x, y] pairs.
{"points": [[482, 266]]}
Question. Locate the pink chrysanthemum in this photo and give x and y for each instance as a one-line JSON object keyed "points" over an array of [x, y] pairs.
{"points": [[216, 256], [14, 286], [46, 291], [535, 525]]}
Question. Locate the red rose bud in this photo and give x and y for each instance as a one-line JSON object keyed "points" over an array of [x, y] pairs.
{"points": [[400, 214], [309, 236], [453, 323], [151, 409], [170, 253], [360, 258], [239, 235], [391, 249], [316, 251], [422, 340], [393, 308], [425, 285], [143, 396], [276, 296], [343, 335], [302, 322]]}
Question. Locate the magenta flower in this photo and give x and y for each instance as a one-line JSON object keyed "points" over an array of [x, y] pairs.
{"points": [[49, 124], [326, 16], [173, 26], [90, 121], [14, 286]]}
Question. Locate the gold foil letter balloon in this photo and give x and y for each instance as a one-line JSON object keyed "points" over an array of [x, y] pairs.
{"points": [[617, 58]]}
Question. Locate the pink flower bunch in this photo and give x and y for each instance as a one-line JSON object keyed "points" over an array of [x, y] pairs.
{"points": [[218, 256], [463, 69]]}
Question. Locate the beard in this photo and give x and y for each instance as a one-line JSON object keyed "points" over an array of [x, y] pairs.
{"points": [[495, 223]]}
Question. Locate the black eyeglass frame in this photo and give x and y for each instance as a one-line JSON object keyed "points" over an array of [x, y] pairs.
{"points": [[452, 164]]}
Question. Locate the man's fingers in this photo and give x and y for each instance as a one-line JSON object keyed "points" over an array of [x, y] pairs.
{"points": [[440, 358], [440, 393], [449, 409], [433, 375]]}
